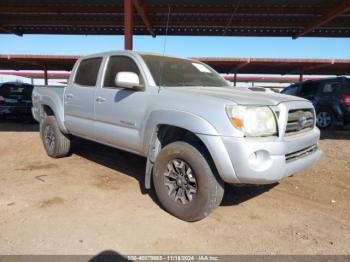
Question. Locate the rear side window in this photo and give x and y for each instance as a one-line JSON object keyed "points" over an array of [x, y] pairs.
{"points": [[87, 71], [118, 64], [331, 87], [23, 91]]}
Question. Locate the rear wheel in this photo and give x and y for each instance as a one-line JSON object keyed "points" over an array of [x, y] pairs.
{"points": [[185, 182], [55, 142], [325, 119]]}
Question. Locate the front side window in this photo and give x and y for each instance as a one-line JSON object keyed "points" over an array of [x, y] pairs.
{"points": [[88, 71], [118, 64], [170, 71]]}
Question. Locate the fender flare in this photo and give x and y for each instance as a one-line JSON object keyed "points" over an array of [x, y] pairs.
{"points": [[59, 114], [193, 123], [185, 120]]}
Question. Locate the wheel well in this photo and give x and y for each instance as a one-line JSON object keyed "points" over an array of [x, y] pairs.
{"points": [[168, 134], [48, 111]]}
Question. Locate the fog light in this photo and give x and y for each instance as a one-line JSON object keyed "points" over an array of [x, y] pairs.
{"points": [[259, 160]]}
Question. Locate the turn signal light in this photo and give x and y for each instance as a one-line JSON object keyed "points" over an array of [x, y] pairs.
{"points": [[236, 122]]}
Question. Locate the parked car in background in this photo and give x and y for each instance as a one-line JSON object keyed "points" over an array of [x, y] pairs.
{"points": [[16, 101], [330, 97]]}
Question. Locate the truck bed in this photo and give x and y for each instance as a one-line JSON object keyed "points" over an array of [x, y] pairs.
{"points": [[50, 95]]}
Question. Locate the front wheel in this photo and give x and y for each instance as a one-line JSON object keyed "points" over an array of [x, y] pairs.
{"points": [[55, 142], [185, 182]]}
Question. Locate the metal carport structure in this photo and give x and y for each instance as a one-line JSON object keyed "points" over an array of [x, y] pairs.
{"points": [[288, 18], [293, 18], [280, 66]]}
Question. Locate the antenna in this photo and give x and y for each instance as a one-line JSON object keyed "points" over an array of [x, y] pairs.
{"points": [[166, 30], [164, 47]]}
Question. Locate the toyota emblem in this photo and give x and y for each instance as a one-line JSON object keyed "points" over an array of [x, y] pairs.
{"points": [[302, 121]]}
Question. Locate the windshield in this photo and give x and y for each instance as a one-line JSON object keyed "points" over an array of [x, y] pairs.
{"points": [[169, 71]]}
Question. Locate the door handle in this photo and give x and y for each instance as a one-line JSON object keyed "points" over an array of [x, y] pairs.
{"points": [[69, 96], [100, 99]]}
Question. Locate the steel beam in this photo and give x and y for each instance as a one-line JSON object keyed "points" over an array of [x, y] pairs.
{"points": [[307, 69], [9, 31], [128, 24], [185, 9], [238, 24], [240, 66], [141, 10], [333, 13]]}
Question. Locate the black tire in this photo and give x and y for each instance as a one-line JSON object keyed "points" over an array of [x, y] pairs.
{"points": [[55, 142], [325, 118], [209, 187]]}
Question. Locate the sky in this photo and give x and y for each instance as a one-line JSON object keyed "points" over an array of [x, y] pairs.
{"points": [[186, 46]]}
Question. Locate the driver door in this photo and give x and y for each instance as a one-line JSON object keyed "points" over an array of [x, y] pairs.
{"points": [[120, 111]]}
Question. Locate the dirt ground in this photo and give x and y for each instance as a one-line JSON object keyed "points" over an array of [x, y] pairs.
{"points": [[94, 200]]}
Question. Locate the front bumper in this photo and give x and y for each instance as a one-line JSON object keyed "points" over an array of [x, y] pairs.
{"points": [[263, 160]]}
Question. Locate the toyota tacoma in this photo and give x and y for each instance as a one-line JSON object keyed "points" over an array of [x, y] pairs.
{"points": [[196, 131]]}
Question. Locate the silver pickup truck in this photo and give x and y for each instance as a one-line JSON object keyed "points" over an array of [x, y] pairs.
{"points": [[196, 131]]}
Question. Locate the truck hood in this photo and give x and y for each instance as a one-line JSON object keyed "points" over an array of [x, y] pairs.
{"points": [[237, 95]]}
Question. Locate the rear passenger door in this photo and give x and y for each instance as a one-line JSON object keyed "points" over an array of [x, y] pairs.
{"points": [[79, 98]]}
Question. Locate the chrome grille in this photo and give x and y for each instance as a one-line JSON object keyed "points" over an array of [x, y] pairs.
{"points": [[300, 120], [301, 153]]}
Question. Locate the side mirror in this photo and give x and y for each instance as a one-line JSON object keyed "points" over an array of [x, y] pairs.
{"points": [[128, 80]]}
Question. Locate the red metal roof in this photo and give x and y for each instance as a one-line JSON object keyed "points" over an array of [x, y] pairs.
{"points": [[292, 18]]}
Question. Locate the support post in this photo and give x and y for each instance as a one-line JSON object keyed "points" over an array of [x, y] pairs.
{"points": [[128, 24], [301, 77], [235, 80], [46, 77]]}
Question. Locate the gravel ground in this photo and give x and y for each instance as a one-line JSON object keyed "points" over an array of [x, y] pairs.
{"points": [[94, 200]]}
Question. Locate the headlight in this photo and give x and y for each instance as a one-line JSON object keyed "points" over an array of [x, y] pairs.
{"points": [[252, 120]]}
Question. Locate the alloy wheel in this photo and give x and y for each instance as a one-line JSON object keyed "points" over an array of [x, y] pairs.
{"points": [[324, 119], [49, 136], [180, 181]]}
